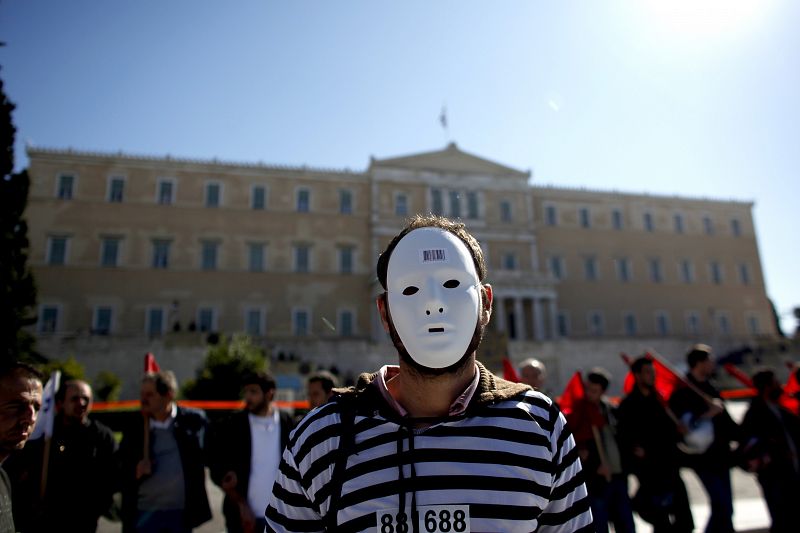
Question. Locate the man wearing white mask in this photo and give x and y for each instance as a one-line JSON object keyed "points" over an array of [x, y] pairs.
{"points": [[438, 443]]}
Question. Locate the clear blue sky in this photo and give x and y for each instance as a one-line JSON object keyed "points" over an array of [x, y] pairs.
{"points": [[693, 97]]}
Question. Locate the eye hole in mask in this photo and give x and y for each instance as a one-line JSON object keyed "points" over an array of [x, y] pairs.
{"points": [[408, 291], [451, 284]]}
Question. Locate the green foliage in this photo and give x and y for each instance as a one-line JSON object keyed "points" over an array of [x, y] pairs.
{"points": [[225, 365], [70, 369], [107, 386], [17, 289]]}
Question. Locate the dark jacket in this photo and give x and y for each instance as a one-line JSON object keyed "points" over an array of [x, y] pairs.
{"points": [[230, 449], [6, 517], [189, 428], [765, 435], [80, 480]]}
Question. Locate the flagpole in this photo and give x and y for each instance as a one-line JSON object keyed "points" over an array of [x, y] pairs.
{"points": [[45, 468], [680, 377]]}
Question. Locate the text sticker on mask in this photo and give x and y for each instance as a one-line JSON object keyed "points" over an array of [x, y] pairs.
{"points": [[436, 255]]}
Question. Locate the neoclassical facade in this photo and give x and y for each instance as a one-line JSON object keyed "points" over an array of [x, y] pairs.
{"points": [[127, 248]]}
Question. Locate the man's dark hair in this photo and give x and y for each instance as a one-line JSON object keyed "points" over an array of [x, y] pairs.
{"points": [[697, 354], [13, 368], [262, 379], [763, 378], [599, 376], [61, 393], [639, 363], [434, 221], [164, 380], [326, 379]]}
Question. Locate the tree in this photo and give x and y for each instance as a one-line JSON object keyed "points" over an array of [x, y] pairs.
{"points": [[225, 365], [18, 296]]}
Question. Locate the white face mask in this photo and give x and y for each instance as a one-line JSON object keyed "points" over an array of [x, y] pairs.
{"points": [[433, 295]]}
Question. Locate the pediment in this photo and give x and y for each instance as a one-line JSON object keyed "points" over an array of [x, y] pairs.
{"points": [[450, 160]]}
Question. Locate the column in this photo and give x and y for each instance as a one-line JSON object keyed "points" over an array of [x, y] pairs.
{"points": [[538, 319], [551, 303], [519, 323], [499, 314]]}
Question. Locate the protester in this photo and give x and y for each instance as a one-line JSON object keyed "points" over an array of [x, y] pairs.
{"points": [[438, 443], [593, 423], [697, 404], [20, 400], [162, 458], [245, 451], [769, 448], [80, 474], [320, 387], [648, 437], [534, 373]]}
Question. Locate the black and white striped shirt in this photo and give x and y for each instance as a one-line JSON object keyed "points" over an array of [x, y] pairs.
{"points": [[507, 464]]}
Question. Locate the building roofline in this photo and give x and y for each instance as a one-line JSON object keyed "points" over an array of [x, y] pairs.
{"points": [[641, 194]]}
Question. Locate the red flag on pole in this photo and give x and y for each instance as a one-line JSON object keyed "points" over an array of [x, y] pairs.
{"points": [[666, 379], [150, 365], [789, 399], [740, 376], [573, 393], [509, 372]]}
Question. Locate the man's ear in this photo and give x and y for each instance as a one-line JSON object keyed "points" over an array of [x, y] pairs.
{"points": [[486, 299], [383, 311]]}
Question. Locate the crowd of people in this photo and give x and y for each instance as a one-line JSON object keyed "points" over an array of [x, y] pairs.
{"points": [[436, 443]]}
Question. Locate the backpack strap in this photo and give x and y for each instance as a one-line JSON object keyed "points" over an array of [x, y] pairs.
{"points": [[347, 444]]}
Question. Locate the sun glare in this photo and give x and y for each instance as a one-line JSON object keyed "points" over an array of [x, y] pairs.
{"points": [[705, 18]]}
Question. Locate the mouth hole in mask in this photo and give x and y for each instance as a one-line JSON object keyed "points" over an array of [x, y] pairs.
{"points": [[435, 330]]}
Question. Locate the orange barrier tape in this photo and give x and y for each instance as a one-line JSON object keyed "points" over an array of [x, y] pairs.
{"points": [[132, 405]]}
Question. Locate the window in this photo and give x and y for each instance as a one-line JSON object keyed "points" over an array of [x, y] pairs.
{"points": [[455, 204], [677, 219], [301, 258], [116, 189], [744, 274], [623, 270], [723, 323], [66, 182], [590, 268], [57, 250], [255, 256], [656, 274], [509, 261], [346, 323], [473, 209], [208, 254], [686, 271], [109, 251], [596, 323], [736, 228], [213, 194], [550, 215], [649, 225], [48, 319], [693, 323], [166, 192], [557, 266], [708, 225], [161, 253], [562, 324], [616, 219], [254, 321], [585, 217], [630, 325], [437, 206], [662, 323], [716, 272], [346, 260], [303, 201], [300, 322], [505, 211], [258, 198], [154, 326], [401, 205], [207, 319], [345, 201], [753, 325], [101, 321]]}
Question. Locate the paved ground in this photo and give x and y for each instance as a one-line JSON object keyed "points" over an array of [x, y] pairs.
{"points": [[750, 512]]}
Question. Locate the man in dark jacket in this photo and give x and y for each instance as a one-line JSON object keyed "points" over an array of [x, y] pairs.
{"points": [[769, 448], [245, 451], [163, 462], [701, 404], [80, 472]]}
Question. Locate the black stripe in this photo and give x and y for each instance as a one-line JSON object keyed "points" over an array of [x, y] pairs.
{"points": [[500, 512], [291, 498], [291, 524], [577, 508], [567, 487]]}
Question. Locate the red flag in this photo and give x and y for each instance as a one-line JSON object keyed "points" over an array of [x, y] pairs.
{"points": [[734, 371], [150, 365], [789, 398], [573, 393], [666, 379], [509, 372]]}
